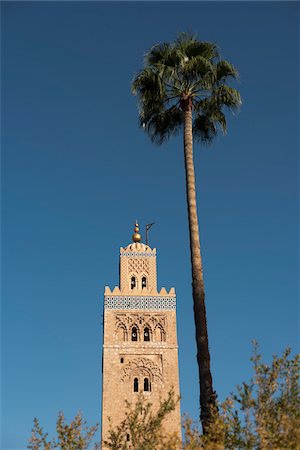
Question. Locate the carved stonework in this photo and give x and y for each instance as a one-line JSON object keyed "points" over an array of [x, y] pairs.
{"points": [[141, 319], [143, 367], [157, 325], [138, 266]]}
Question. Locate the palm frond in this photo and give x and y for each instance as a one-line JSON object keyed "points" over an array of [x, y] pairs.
{"points": [[197, 66], [219, 118], [186, 68], [207, 50], [163, 55], [219, 97], [191, 46], [204, 129], [162, 125], [225, 69], [227, 96], [158, 53], [149, 87]]}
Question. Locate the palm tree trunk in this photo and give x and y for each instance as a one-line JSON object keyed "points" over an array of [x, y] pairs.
{"points": [[207, 395]]}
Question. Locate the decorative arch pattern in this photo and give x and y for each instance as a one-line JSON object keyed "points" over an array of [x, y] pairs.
{"points": [[159, 333], [156, 324], [121, 333], [141, 367]]}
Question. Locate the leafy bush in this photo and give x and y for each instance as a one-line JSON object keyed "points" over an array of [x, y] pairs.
{"points": [[75, 436], [262, 414]]}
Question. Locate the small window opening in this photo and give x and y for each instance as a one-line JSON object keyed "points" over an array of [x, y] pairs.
{"points": [[128, 437], [133, 282], [121, 360], [144, 282], [147, 385], [146, 334], [134, 334], [135, 385]]}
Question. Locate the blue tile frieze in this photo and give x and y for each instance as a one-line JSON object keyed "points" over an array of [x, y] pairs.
{"points": [[134, 302]]}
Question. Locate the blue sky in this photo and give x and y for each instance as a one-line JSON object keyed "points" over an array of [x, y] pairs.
{"points": [[77, 171]]}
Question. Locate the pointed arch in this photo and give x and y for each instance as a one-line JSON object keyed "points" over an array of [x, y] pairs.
{"points": [[159, 334], [144, 281], [121, 333], [147, 385], [141, 367], [147, 333], [134, 333], [133, 281]]}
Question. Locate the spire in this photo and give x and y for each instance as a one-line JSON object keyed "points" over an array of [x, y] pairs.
{"points": [[136, 237]]}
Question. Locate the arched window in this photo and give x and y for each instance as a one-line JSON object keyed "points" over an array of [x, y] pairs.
{"points": [[133, 282], [121, 360], [147, 385], [135, 385], [146, 334], [134, 334], [144, 282]]}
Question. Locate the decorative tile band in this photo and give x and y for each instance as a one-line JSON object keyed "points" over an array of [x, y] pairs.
{"points": [[137, 254], [139, 302]]}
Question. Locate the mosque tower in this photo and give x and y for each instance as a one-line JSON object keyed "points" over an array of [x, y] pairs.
{"points": [[140, 350]]}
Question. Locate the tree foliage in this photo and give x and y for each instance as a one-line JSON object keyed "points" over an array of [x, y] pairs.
{"points": [[262, 414], [74, 436], [185, 70], [142, 428]]}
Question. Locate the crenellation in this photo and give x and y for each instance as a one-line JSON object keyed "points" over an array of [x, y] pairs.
{"points": [[117, 291]]}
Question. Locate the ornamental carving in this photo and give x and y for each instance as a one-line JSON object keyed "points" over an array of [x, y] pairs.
{"points": [[157, 326], [142, 367], [140, 321], [138, 266]]}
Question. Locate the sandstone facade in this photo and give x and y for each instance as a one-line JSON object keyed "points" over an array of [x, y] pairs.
{"points": [[140, 351]]}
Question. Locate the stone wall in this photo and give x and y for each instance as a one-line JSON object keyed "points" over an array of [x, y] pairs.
{"points": [[125, 360]]}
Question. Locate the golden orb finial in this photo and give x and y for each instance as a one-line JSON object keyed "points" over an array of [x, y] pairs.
{"points": [[136, 237]]}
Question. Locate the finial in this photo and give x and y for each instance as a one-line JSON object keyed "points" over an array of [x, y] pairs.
{"points": [[136, 237]]}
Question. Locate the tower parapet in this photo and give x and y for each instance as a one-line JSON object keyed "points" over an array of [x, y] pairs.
{"points": [[138, 278]]}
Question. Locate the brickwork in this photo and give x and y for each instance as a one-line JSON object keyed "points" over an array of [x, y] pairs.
{"points": [[140, 352]]}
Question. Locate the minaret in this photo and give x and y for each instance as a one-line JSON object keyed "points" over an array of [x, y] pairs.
{"points": [[140, 350]]}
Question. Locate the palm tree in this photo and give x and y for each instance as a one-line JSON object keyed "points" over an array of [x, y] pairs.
{"points": [[183, 85]]}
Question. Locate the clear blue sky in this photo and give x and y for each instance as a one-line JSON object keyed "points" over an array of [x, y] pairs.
{"points": [[77, 172]]}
